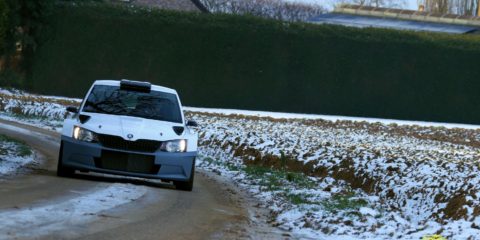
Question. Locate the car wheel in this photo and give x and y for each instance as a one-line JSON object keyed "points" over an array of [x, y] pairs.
{"points": [[63, 171], [188, 185]]}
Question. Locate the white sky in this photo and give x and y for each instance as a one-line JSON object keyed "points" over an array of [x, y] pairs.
{"points": [[412, 4]]}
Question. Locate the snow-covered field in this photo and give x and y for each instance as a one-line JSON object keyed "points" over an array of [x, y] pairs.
{"points": [[369, 180], [41, 111], [330, 177]]}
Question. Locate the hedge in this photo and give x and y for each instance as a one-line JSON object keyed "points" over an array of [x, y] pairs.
{"points": [[251, 63]]}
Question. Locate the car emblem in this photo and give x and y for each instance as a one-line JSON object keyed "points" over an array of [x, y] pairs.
{"points": [[130, 136]]}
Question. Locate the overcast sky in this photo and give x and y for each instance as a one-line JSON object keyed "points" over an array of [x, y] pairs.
{"points": [[412, 4]]}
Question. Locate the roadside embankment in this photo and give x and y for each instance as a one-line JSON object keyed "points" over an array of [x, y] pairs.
{"points": [[14, 154]]}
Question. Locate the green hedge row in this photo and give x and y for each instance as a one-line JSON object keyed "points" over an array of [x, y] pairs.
{"points": [[249, 63]]}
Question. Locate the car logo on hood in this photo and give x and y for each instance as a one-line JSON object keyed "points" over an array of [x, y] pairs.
{"points": [[130, 136]]}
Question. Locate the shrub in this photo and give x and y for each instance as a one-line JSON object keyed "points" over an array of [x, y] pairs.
{"points": [[280, 10], [4, 14]]}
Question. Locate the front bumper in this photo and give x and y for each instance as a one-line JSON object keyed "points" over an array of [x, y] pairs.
{"points": [[94, 157]]}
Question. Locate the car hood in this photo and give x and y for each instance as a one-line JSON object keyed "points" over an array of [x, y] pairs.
{"points": [[131, 128]]}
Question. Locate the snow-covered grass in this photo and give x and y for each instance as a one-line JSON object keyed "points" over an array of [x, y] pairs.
{"points": [[39, 220], [42, 111], [333, 118], [13, 155], [417, 180], [336, 177]]}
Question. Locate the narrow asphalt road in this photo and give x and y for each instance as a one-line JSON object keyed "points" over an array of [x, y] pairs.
{"points": [[210, 211]]}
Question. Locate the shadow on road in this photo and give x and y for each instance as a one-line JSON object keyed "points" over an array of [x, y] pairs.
{"points": [[121, 179], [99, 177]]}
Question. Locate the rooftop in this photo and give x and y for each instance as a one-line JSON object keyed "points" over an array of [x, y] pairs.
{"points": [[362, 16], [379, 22], [408, 15]]}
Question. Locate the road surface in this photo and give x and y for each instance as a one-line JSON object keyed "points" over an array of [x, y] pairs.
{"points": [[211, 211]]}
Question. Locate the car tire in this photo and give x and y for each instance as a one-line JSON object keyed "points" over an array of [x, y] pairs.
{"points": [[188, 185], [63, 171]]}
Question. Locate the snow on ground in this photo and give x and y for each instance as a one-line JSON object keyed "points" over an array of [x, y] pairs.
{"points": [[415, 184], [40, 220], [280, 115], [330, 176], [41, 111], [13, 155], [48, 112]]}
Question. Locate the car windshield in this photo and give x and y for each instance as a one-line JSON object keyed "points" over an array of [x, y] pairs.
{"points": [[152, 105]]}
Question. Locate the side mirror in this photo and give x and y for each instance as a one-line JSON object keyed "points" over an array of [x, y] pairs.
{"points": [[191, 123], [72, 109]]}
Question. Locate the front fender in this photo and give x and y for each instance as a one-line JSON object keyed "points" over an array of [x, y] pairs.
{"points": [[68, 124]]}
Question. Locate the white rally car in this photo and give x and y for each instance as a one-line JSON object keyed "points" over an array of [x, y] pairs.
{"points": [[130, 128]]}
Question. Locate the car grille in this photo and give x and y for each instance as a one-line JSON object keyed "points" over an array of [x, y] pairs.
{"points": [[140, 145], [127, 162]]}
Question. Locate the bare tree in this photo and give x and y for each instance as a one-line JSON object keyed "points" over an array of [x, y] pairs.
{"points": [[477, 9], [438, 6], [276, 9], [376, 3], [461, 7]]}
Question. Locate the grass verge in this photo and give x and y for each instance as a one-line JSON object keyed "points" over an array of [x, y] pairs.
{"points": [[22, 149]]}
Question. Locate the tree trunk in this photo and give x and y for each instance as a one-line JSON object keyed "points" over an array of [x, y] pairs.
{"points": [[478, 8]]}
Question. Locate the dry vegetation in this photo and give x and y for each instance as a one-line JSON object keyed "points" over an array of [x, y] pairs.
{"points": [[181, 5], [276, 9]]}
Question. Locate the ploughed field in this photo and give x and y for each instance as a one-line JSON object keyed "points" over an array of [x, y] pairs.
{"points": [[370, 179], [321, 178]]}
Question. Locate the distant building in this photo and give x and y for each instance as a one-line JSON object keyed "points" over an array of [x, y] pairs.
{"points": [[361, 16]]}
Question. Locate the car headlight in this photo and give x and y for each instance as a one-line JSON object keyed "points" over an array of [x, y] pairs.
{"points": [[83, 134], [174, 146]]}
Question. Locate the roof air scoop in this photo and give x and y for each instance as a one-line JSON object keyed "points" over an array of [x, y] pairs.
{"points": [[135, 86]]}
